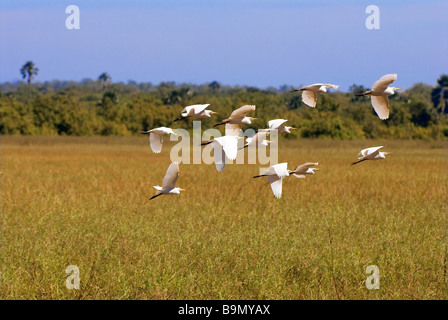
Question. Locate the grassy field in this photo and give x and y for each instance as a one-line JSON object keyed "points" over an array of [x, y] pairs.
{"points": [[84, 202]]}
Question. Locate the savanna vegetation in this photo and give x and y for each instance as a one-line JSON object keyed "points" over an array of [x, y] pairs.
{"points": [[101, 107], [83, 201]]}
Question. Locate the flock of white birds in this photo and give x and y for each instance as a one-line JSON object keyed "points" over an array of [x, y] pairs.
{"points": [[226, 147]]}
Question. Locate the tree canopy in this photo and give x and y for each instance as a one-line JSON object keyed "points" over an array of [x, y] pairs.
{"points": [[89, 107]]}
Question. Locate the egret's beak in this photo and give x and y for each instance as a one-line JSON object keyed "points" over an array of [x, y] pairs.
{"points": [[268, 141], [182, 189], [143, 132], [213, 112], [254, 118], [316, 169], [397, 88], [387, 153], [293, 129]]}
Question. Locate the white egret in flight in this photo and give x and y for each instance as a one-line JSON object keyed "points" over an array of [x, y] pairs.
{"points": [[279, 125], [169, 182], [156, 137], [372, 153], [237, 118], [196, 111], [226, 146], [260, 138], [309, 93], [304, 169], [275, 175], [379, 93]]}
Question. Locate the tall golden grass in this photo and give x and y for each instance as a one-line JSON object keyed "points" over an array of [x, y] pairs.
{"points": [[84, 202]]}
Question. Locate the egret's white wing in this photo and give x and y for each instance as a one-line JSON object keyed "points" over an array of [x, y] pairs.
{"points": [[155, 140], [309, 98], [220, 166], [276, 185], [276, 123], [373, 150], [384, 82], [316, 86], [229, 145], [242, 111], [281, 169], [198, 108], [306, 165], [363, 153], [194, 109], [162, 130], [220, 157], [312, 87], [233, 129], [187, 111], [172, 173], [331, 86], [381, 106], [368, 151]]}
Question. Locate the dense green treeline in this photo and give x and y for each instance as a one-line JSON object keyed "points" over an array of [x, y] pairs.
{"points": [[103, 108]]}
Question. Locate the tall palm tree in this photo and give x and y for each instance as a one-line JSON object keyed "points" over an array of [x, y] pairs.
{"points": [[28, 71], [214, 85], [105, 79], [440, 94]]}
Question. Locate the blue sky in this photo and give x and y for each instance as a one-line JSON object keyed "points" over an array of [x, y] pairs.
{"points": [[247, 42]]}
